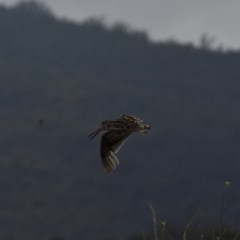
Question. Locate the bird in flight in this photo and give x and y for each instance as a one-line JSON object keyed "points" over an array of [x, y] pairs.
{"points": [[117, 132]]}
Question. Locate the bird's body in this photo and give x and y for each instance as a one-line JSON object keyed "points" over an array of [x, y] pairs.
{"points": [[117, 132]]}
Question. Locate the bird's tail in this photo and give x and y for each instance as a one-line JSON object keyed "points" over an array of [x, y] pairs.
{"points": [[145, 128]]}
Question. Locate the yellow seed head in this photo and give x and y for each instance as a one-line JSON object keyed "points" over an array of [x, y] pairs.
{"points": [[227, 184], [164, 223]]}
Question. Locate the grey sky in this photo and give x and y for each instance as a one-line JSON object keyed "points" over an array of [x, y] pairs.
{"points": [[184, 20]]}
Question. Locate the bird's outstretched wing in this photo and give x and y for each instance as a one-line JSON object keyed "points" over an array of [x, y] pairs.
{"points": [[110, 144]]}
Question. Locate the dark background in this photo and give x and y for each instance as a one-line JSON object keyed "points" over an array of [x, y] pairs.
{"points": [[59, 80]]}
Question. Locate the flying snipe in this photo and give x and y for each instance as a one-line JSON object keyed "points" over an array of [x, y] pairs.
{"points": [[117, 132]]}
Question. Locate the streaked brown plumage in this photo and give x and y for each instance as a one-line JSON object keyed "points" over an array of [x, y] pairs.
{"points": [[117, 132]]}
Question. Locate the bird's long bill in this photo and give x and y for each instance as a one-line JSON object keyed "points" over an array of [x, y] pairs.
{"points": [[95, 133]]}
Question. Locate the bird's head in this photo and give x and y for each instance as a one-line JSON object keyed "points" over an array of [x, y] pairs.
{"points": [[104, 126]]}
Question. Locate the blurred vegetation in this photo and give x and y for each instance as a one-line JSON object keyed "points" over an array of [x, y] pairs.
{"points": [[59, 79]]}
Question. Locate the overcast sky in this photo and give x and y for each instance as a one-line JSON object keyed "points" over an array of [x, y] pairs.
{"points": [[184, 20]]}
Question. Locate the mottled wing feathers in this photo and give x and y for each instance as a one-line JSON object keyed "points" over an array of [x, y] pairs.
{"points": [[110, 144], [109, 159], [129, 118], [135, 123]]}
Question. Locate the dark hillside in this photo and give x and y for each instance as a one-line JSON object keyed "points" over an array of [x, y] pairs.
{"points": [[59, 80]]}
